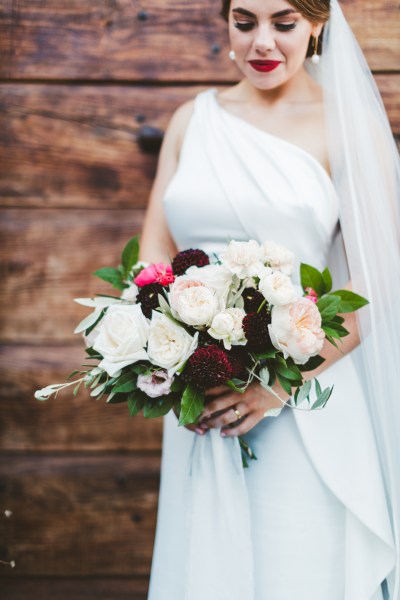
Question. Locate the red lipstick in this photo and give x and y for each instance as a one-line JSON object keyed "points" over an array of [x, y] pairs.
{"points": [[264, 66]]}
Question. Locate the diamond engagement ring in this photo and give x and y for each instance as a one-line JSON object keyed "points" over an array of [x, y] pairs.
{"points": [[237, 413]]}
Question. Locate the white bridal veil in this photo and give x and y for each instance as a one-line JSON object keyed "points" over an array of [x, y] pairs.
{"points": [[366, 172]]}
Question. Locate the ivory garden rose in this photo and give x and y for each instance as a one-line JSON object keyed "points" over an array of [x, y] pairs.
{"points": [[192, 302], [122, 337], [295, 329], [243, 258], [277, 288], [278, 257]]}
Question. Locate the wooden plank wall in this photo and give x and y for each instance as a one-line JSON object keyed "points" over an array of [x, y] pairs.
{"points": [[78, 81]]}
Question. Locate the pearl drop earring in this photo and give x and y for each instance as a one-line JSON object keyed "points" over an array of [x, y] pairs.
{"points": [[315, 57], [232, 55]]}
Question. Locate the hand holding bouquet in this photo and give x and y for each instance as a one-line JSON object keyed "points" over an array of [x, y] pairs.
{"points": [[178, 330]]}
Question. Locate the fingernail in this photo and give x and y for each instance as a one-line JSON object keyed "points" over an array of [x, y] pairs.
{"points": [[203, 426], [223, 434], [199, 431]]}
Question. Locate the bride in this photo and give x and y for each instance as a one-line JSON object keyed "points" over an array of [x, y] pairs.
{"points": [[299, 152]]}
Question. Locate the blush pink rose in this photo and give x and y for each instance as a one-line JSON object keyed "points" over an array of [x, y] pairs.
{"points": [[295, 329], [157, 273]]}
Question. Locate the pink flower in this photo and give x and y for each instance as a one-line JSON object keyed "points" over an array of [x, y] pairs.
{"points": [[295, 329], [155, 385], [311, 295], [157, 273]]}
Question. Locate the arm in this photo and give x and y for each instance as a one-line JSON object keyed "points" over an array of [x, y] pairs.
{"points": [[156, 243]]}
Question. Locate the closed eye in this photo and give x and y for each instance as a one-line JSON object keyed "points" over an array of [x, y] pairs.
{"points": [[244, 26]]}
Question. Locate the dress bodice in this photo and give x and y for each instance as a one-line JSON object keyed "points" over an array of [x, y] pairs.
{"points": [[235, 181]]}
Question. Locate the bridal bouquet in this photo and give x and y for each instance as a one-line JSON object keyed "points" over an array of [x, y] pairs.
{"points": [[177, 330]]}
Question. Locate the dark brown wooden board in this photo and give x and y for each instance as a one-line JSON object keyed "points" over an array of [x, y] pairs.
{"points": [[65, 423], [47, 259], [77, 146], [73, 589], [79, 515], [174, 41]]}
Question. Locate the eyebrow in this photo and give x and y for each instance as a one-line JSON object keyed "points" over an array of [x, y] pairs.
{"points": [[281, 13]]}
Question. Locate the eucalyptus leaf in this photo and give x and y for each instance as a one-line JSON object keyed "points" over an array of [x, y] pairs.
{"points": [[303, 392], [322, 398], [89, 321]]}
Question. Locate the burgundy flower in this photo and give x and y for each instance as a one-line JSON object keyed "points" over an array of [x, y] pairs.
{"points": [[252, 300], [209, 367], [148, 298], [255, 326], [189, 258], [237, 358]]}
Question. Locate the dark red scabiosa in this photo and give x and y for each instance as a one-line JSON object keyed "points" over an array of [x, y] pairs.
{"points": [[209, 367], [148, 298], [189, 258], [252, 299], [255, 327], [238, 362]]}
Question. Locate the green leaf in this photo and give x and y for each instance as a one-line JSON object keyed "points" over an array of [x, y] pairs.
{"points": [[311, 277], [192, 404], [287, 385], [89, 322], [342, 331], [331, 332], [130, 255], [158, 407], [283, 369], [349, 301], [313, 363], [135, 403], [112, 276], [322, 399], [327, 277], [264, 355], [114, 398], [236, 388], [317, 387], [91, 327], [328, 306], [124, 384]]}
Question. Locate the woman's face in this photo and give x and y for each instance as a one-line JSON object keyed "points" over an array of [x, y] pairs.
{"points": [[270, 39]]}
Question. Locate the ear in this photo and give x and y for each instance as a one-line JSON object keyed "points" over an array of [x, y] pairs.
{"points": [[316, 29]]}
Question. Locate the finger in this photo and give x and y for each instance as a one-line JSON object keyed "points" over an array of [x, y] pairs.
{"points": [[219, 404], [215, 392], [195, 429], [228, 416], [251, 420]]}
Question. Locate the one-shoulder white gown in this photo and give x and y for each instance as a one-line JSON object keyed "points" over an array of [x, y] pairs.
{"points": [[308, 519]]}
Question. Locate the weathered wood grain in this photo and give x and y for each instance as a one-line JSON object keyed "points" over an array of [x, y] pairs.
{"points": [[78, 146], [79, 515], [74, 589], [67, 146], [174, 41], [47, 258], [65, 423]]}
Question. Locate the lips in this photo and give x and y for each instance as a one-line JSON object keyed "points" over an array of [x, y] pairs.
{"points": [[264, 66]]}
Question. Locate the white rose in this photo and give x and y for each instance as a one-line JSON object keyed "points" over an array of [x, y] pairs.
{"points": [[129, 294], [169, 344], [122, 337], [278, 257], [242, 258], [295, 329], [278, 289], [215, 277], [227, 326]]}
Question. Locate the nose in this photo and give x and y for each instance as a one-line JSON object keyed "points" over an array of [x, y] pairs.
{"points": [[265, 40]]}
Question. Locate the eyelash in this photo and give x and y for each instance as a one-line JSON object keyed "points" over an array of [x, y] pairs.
{"points": [[279, 26]]}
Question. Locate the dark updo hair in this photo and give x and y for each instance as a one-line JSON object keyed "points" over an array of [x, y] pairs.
{"points": [[315, 11]]}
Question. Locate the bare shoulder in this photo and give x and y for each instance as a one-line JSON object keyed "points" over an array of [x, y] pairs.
{"points": [[178, 124]]}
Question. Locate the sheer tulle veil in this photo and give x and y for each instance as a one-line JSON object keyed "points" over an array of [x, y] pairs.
{"points": [[365, 169]]}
